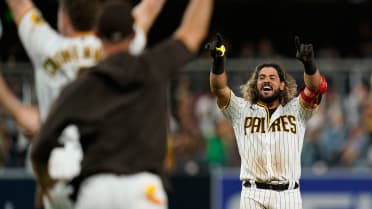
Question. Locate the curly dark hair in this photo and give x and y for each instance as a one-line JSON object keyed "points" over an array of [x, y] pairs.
{"points": [[249, 89]]}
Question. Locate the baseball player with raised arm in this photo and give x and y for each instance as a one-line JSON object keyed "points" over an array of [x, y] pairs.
{"points": [[269, 124]]}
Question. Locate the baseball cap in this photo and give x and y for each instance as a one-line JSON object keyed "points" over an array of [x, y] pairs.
{"points": [[115, 20]]}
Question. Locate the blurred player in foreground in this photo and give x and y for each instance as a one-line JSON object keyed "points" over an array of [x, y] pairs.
{"points": [[58, 58], [269, 124], [119, 108]]}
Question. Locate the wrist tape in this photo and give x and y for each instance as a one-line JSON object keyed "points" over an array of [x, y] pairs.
{"points": [[310, 68], [218, 65]]}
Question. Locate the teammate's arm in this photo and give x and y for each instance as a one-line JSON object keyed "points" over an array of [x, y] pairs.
{"points": [[145, 13], [19, 8], [217, 76], [195, 24], [26, 116], [315, 83]]}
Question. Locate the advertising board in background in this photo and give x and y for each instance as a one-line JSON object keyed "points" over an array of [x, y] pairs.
{"points": [[334, 190]]}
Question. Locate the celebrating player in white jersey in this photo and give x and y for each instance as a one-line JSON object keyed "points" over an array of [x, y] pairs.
{"points": [[57, 60], [269, 124]]}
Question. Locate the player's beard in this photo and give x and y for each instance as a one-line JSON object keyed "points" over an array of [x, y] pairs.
{"points": [[269, 99]]}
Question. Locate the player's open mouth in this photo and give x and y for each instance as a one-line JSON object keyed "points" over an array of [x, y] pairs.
{"points": [[267, 88]]}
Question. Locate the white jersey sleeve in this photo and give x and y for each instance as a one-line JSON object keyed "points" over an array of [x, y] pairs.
{"points": [[304, 113], [234, 109], [37, 36], [139, 41]]}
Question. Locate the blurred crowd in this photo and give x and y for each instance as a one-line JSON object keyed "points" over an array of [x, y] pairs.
{"points": [[340, 132], [338, 135]]}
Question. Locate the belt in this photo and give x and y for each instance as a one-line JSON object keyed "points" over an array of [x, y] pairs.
{"points": [[276, 187]]}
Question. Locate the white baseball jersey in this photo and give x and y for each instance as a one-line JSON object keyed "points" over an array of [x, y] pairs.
{"points": [[270, 148], [57, 59]]}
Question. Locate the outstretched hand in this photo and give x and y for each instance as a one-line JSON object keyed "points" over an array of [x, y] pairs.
{"points": [[216, 47], [305, 53], [217, 51]]}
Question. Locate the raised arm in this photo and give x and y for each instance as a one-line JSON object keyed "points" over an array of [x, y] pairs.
{"points": [[7, 99], [26, 116], [19, 8], [195, 23], [315, 83], [146, 12], [218, 77]]}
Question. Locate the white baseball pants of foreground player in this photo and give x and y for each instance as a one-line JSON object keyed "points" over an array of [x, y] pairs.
{"points": [[109, 191]]}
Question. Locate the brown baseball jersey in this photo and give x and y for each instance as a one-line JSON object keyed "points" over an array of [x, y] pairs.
{"points": [[119, 107]]}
